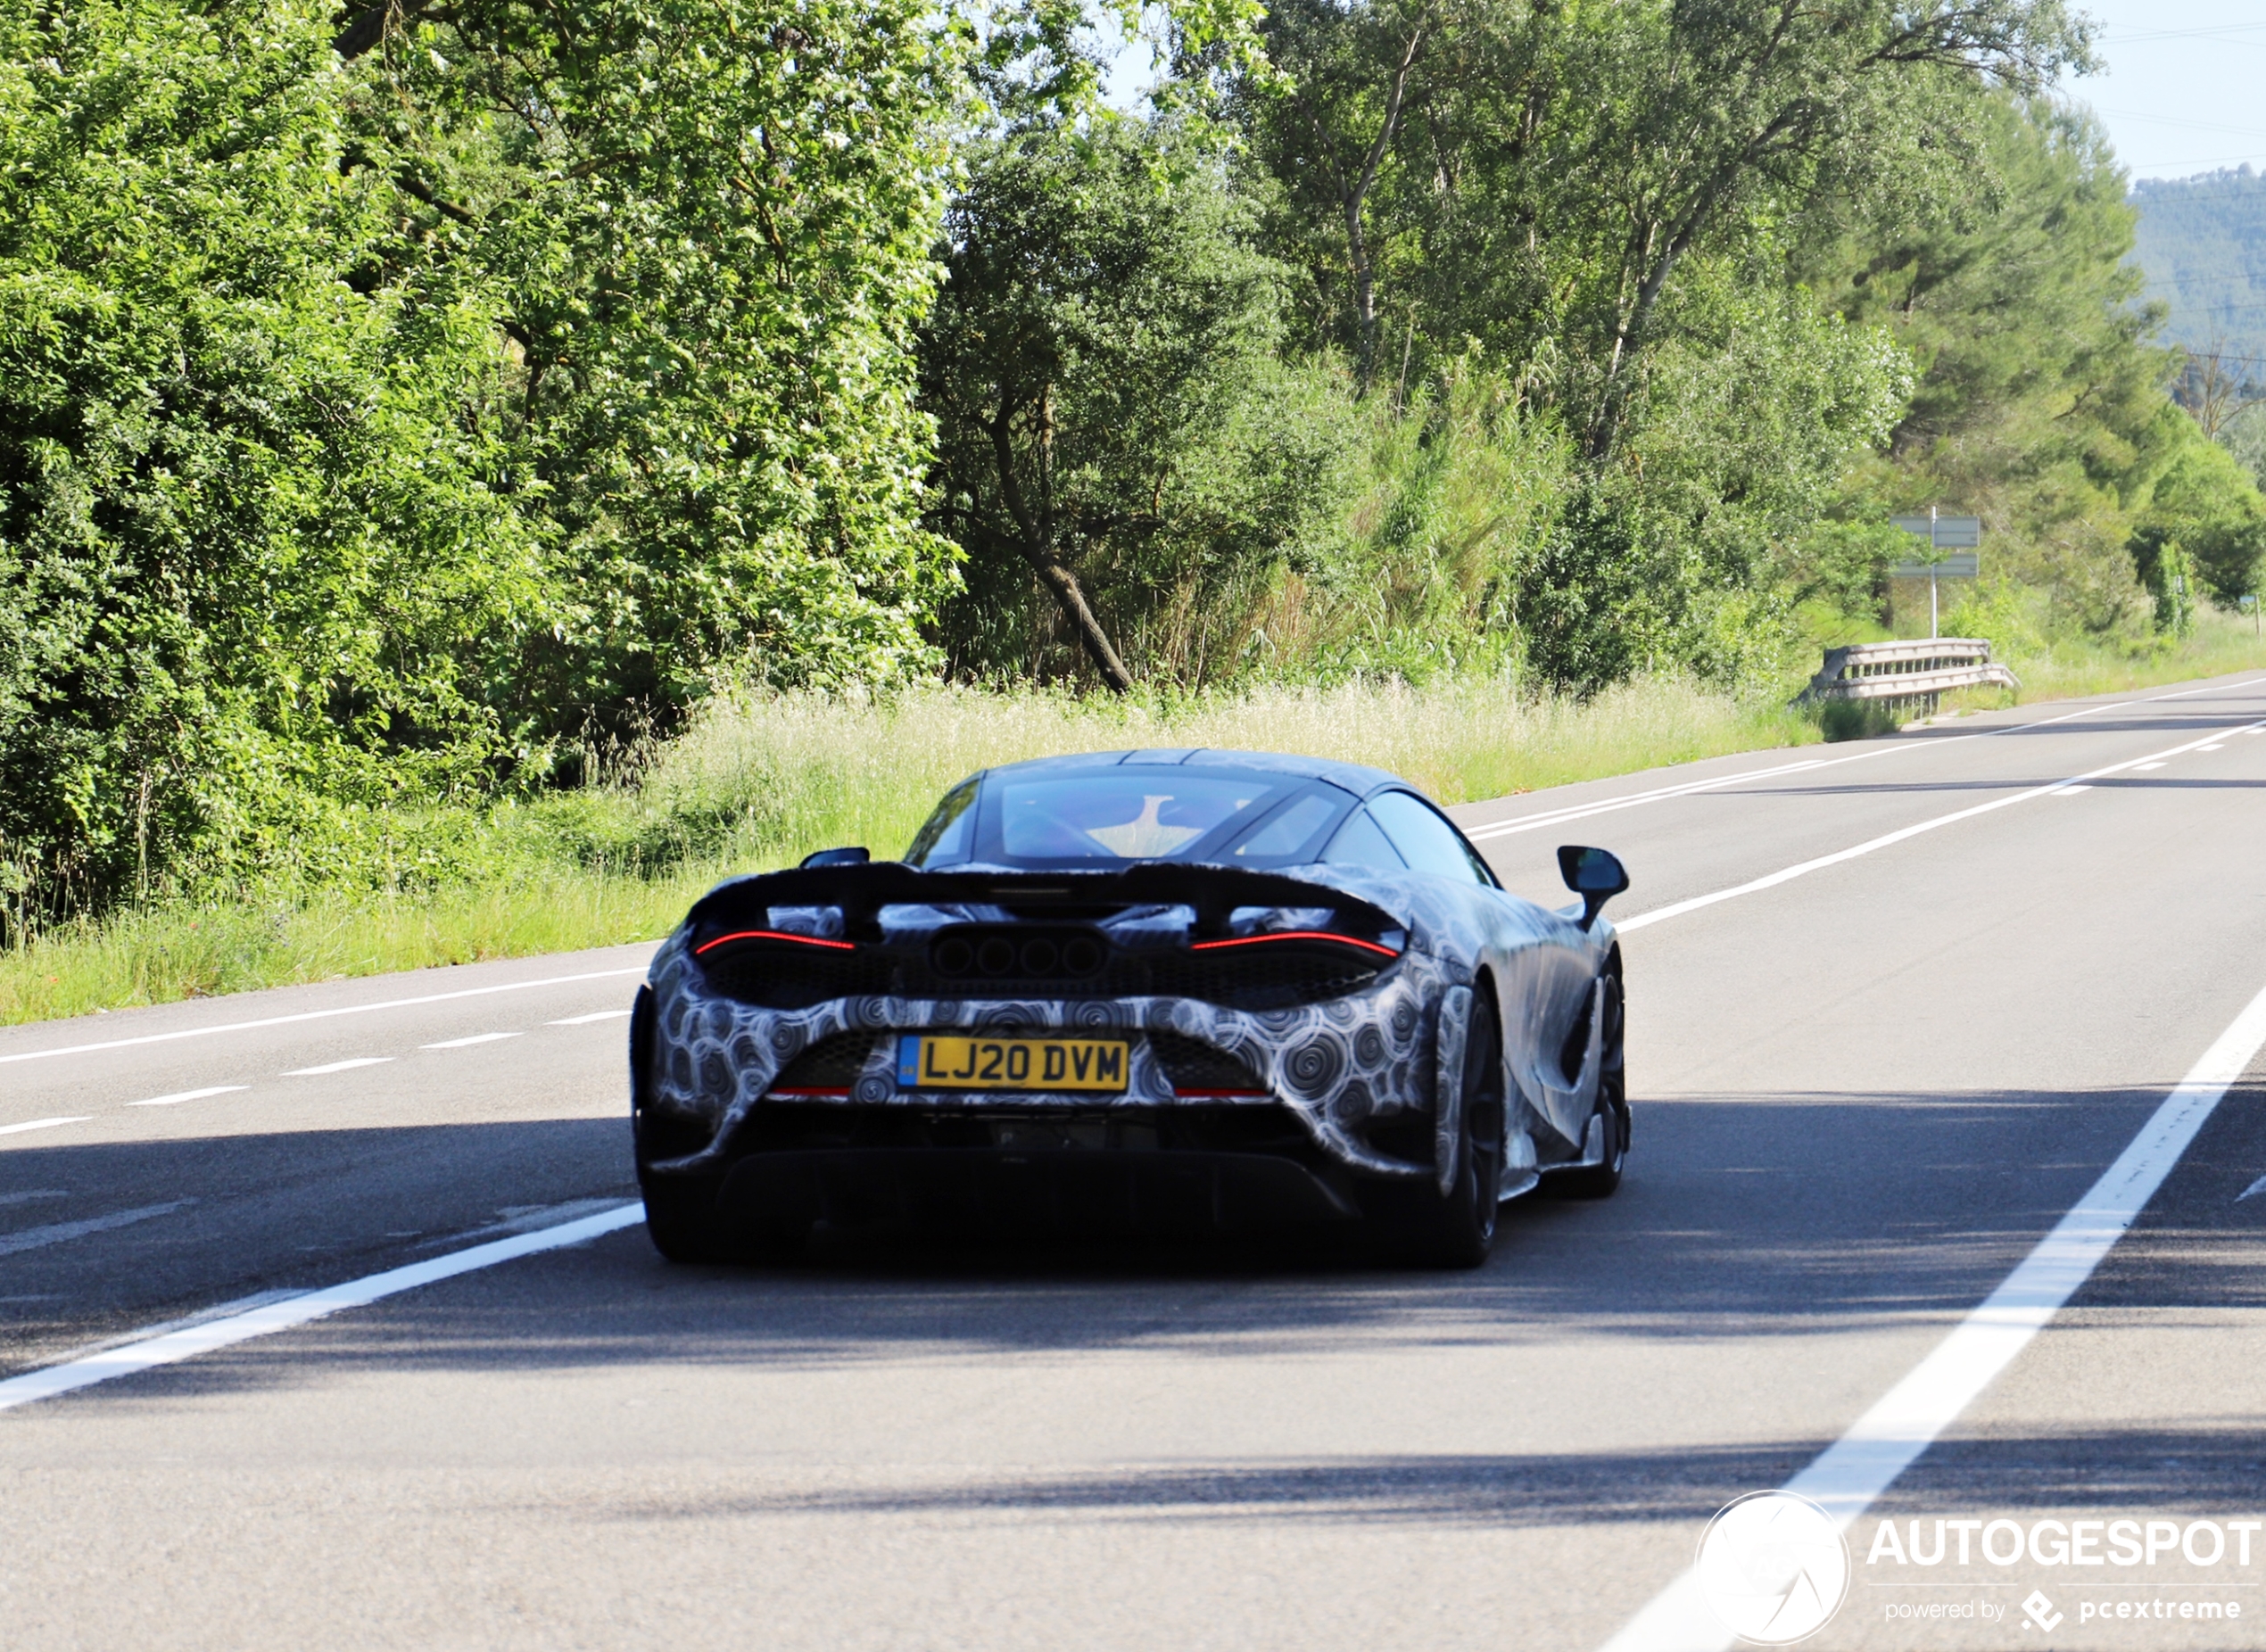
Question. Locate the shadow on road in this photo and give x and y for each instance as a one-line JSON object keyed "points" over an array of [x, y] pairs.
{"points": [[1794, 1216]]}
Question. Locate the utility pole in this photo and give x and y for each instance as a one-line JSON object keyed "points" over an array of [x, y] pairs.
{"points": [[1933, 552], [1946, 558]]}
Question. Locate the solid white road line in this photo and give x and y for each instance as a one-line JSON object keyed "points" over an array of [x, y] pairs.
{"points": [[318, 1015], [584, 1021], [1852, 1472], [191, 1096], [338, 1067], [2209, 688], [1574, 812], [41, 1124], [174, 1346], [1676, 909], [55, 1233], [461, 1044]]}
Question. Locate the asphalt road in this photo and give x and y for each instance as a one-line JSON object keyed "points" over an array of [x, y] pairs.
{"points": [[1863, 1093]]}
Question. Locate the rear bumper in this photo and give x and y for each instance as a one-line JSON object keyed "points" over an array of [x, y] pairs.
{"points": [[1083, 1193], [1342, 1068]]}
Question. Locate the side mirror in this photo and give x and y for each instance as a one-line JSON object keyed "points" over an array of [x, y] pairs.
{"points": [[1596, 875], [843, 857]]}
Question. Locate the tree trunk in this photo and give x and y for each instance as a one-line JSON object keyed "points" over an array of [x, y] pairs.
{"points": [[1035, 540], [1353, 197]]}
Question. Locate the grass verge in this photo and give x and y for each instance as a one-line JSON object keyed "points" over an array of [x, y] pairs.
{"points": [[758, 782]]}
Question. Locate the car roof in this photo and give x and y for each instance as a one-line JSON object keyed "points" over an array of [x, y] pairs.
{"points": [[1356, 778]]}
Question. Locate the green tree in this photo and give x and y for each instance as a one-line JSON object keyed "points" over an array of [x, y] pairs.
{"points": [[2040, 403], [248, 546], [1114, 422], [2204, 510], [704, 228], [1605, 199]]}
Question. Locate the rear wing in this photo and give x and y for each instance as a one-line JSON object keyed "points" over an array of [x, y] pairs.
{"points": [[861, 890]]}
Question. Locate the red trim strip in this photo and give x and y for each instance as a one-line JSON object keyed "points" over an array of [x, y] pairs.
{"points": [[773, 935], [1294, 935]]}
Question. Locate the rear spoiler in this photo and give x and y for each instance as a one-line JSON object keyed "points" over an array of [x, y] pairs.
{"points": [[862, 890]]}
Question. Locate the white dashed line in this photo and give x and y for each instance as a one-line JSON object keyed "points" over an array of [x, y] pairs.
{"points": [[55, 1233], [172, 1346], [190, 1096], [36, 1192], [2258, 1186], [1574, 812], [584, 1021], [2068, 791], [41, 1124], [2213, 747], [458, 1044], [2142, 768], [1676, 909], [338, 1067], [318, 1015]]}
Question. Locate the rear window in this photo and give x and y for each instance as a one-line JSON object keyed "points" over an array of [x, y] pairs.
{"points": [[1288, 835], [1149, 813]]}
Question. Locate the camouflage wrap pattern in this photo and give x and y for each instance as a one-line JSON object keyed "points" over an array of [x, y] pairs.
{"points": [[1338, 1066]]}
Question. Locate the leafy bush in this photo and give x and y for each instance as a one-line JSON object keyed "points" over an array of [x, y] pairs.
{"points": [[248, 548]]}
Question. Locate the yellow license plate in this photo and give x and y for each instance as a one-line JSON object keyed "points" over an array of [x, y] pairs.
{"points": [[930, 1062]]}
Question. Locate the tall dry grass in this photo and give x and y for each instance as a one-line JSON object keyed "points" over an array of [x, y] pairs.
{"points": [[760, 780], [783, 774]]}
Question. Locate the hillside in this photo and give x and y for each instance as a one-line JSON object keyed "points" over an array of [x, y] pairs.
{"points": [[2202, 241]]}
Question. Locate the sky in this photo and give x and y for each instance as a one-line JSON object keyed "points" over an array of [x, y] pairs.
{"points": [[2185, 89]]}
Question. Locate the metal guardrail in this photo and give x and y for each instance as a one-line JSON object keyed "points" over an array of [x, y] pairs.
{"points": [[1907, 671]]}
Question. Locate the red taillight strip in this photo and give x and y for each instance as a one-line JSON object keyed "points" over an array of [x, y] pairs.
{"points": [[773, 935], [1296, 935]]}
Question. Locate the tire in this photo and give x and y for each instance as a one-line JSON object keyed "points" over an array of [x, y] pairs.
{"points": [[1599, 1181], [1457, 1229]]}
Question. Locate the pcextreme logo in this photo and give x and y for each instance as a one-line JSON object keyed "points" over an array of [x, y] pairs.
{"points": [[2147, 1569]]}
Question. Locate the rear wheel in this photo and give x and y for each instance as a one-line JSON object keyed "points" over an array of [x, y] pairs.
{"points": [[1611, 1122], [1457, 1229]]}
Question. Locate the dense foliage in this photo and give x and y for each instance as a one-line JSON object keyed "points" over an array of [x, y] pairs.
{"points": [[382, 404], [401, 402]]}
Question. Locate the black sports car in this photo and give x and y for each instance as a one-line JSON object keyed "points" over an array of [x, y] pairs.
{"points": [[1133, 991]]}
